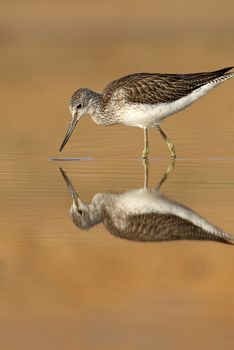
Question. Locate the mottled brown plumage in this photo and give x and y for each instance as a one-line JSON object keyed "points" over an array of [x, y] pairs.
{"points": [[152, 88]]}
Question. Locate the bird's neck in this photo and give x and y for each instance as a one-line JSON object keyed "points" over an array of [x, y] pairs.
{"points": [[95, 107], [98, 110]]}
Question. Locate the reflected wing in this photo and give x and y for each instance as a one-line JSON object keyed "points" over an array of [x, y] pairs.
{"points": [[155, 227]]}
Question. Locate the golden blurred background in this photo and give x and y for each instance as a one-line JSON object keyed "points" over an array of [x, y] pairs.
{"points": [[62, 288]]}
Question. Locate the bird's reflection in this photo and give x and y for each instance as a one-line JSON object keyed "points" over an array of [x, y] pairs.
{"points": [[143, 215]]}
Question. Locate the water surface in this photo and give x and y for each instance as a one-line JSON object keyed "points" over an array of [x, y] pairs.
{"points": [[88, 285]]}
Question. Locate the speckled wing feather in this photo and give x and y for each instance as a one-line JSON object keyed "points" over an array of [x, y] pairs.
{"points": [[154, 88], [154, 227]]}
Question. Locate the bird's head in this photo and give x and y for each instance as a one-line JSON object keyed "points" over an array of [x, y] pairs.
{"points": [[79, 106], [83, 215]]}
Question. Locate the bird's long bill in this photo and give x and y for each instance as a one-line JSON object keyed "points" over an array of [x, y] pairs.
{"points": [[70, 187], [69, 131]]}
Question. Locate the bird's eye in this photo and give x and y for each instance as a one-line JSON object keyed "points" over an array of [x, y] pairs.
{"points": [[79, 212], [79, 105]]}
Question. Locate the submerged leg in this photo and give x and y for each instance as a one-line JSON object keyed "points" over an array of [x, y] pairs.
{"points": [[169, 143], [145, 152]]}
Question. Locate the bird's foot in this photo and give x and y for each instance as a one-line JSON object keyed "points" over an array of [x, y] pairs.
{"points": [[173, 156], [145, 153]]}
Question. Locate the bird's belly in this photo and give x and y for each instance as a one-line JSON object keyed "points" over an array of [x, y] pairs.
{"points": [[141, 115], [145, 116]]}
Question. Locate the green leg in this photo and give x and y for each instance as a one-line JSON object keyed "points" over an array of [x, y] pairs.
{"points": [[169, 143], [145, 152]]}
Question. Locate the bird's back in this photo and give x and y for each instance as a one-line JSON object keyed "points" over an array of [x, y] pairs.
{"points": [[153, 88]]}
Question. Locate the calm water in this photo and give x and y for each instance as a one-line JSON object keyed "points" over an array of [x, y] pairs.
{"points": [[65, 287]]}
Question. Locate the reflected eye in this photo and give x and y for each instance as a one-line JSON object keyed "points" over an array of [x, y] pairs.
{"points": [[79, 105]]}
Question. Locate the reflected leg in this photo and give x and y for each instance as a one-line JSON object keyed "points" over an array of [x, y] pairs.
{"points": [[170, 169], [146, 172], [145, 152], [169, 143]]}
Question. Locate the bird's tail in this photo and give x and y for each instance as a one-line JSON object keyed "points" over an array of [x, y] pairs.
{"points": [[222, 73]]}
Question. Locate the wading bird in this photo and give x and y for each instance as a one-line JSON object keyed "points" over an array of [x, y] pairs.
{"points": [[143, 100]]}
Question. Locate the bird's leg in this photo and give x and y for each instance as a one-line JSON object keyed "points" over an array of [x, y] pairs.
{"points": [[169, 143], [145, 152]]}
